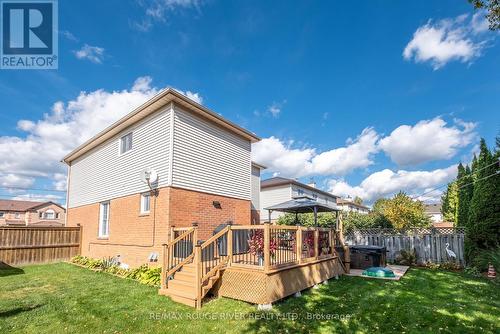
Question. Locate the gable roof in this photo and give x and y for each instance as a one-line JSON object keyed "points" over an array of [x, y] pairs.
{"points": [[432, 208], [279, 181], [161, 99], [344, 201], [13, 205]]}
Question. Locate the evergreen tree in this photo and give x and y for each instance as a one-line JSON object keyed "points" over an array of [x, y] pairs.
{"points": [[483, 226], [465, 189], [449, 202]]}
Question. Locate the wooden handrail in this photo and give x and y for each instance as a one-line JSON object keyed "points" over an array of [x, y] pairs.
{"points": [[214, 237], [183, 235], [179, 265]]}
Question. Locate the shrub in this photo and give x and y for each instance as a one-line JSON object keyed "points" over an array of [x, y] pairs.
{"points": [[142, 274], [485, 257], [406, 258]]}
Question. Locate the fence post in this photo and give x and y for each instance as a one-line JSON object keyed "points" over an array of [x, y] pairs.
{"points": [[316, 242], [298, 244], [267, 241], [229, 245], [80, 238], [198, 264]]}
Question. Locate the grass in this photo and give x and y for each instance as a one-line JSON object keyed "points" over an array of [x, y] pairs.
{"points": [[61, 297]]}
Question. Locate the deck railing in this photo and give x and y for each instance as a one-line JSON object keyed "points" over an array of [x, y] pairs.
{"points": [[266, 248], [178, 252]]}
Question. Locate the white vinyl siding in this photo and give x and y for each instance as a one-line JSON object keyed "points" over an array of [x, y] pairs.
{"points": [[273, 196], [298, 191], [255, 188], [210, 159], [103, 220], [102, 174]]}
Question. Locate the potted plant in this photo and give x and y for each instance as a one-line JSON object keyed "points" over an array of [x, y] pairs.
{"points": [[256, 245]]}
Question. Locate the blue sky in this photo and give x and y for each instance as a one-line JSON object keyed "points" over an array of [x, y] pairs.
{"points": [[367, 99]]}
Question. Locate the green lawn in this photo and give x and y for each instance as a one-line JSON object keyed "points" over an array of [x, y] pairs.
{"points": [[64, 298]]}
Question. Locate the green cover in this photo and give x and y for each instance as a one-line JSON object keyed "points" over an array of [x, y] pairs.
{"points": [[378, 272]]}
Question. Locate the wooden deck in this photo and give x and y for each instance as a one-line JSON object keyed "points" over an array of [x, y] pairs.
{"points": [[256, 263]]}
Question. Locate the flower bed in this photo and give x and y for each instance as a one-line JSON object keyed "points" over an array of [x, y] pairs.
{"points": [[142, 274]]}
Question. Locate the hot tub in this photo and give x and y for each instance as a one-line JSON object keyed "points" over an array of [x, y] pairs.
{"points": [[364, 256]]}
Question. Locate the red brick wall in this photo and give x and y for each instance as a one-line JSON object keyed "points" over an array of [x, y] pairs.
{"points": [[131, 235], [135, 236], [187, 207]]}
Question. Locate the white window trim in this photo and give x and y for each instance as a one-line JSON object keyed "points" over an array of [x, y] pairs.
{"points": [[101, 220], [143, 197], [120, 153]]}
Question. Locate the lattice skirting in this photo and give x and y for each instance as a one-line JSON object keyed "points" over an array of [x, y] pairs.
{"points": [[260, 288]]}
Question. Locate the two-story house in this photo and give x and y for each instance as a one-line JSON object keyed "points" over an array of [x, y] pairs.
{"points": [[204, 175], [28, 213], [279, 189], [350, 206]]}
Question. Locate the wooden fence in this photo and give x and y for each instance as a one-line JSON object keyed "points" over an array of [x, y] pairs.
{"points": [[428, 243], [28, 245]]}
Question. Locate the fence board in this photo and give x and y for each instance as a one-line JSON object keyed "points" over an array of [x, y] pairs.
{"points": [[29, 245], [428, 243]]}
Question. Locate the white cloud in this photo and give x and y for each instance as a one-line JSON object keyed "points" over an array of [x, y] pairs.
{"points": [[459, 39], [69, 35], [39, 197], [386, 182], [196, 97], [158, 10], [94, 54], [13, 180], [67, 125], [426, 141], [275, 108], [298, 162]]}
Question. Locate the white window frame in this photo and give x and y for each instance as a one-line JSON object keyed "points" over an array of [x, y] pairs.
{"points": [[17, 215], [103, 219], [145, 196], [121, 142], [51, 212]]}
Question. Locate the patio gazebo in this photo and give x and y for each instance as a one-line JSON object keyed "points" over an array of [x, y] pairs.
{"points": [[304, 205]]}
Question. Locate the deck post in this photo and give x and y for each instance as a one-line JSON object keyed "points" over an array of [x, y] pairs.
{"points": [[164, 266], [267, 241], [316, 243], [198, 265], [298, 242], [229, 245], [171, 233], [195, 234], [331, 235]]}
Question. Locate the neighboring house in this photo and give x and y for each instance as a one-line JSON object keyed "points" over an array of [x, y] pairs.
{"points": [[27, 213], [434, 212], [277, 190], [256, 171], [350, 206], [204, 176]]}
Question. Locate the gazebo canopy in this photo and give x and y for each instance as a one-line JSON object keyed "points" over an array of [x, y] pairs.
{"points": [[303, 205]]}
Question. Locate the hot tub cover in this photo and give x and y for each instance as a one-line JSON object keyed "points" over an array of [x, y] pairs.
{"points": [[378, 272]]}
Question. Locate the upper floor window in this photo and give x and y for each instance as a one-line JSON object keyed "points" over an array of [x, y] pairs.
{"points": [[126, 143], [315, 196], [2, 214], [49, 214], [17, 215], [300, 192], [145, 202]]}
